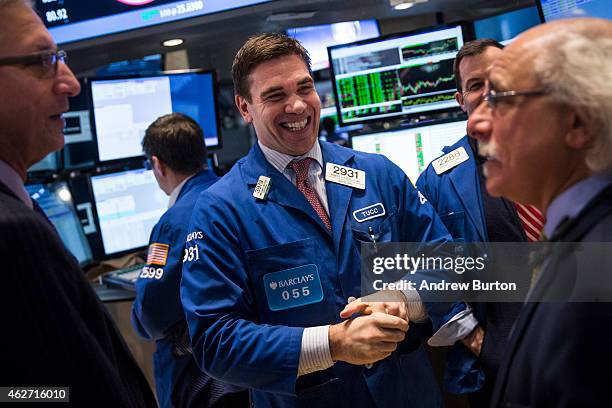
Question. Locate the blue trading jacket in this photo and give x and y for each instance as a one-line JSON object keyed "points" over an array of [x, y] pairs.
{"points": [[457, 198], [157, 313], [244, 335]]}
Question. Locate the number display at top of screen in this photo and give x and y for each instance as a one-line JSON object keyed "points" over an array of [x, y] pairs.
{"points": [[74, 20]]}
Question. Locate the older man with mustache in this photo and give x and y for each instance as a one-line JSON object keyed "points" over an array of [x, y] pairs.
{"points": [[545, 128]]}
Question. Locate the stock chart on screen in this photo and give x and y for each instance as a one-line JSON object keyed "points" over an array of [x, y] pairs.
{"points": [[387, 77]]}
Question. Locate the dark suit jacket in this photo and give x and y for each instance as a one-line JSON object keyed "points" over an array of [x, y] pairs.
{"points": [[55, 331], [559, 352]]}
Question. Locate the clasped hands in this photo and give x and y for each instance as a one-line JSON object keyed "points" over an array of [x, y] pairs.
{"points": [[374, 334]]}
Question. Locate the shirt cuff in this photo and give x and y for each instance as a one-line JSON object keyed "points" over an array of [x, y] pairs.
{"points": [[416, 310], [457, 328], [315, 354]]}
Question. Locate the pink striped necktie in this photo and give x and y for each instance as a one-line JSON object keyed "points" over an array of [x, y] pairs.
{"points": [[301, 168], [532, 221]]}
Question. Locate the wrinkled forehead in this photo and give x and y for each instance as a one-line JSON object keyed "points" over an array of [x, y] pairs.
{"points": [[22, 31], [513, 69]]}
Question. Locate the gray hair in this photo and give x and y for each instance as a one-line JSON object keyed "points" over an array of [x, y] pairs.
{"points": [[574, 68]]}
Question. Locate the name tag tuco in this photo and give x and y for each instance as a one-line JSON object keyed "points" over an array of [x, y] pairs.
{"points": [[293, 287], [346, 176], [369, 212]]}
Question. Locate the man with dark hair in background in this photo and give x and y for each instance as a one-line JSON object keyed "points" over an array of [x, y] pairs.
{"points": [[174, 145], [56, 332], [472, 215], [278, 241]]}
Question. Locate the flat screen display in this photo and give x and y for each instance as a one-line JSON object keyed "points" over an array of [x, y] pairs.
{"points": [[396, 76], [505, 27], [56, 201], [128, 205], [558, 9], [316, 39], [124, 108], [414, 148], [73, 20], [50, 162]]}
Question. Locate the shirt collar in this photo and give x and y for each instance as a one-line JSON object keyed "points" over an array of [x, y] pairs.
{"points": [[177, 190], [572, 201], [13, 181], [280, 160]]}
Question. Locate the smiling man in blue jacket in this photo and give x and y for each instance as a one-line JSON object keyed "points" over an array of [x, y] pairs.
{"points": [[276, 246], [174, 145]]}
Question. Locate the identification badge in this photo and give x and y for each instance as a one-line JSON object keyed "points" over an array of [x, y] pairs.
{"points": [[262, 188], [369, 212], [450, 160], [293, 287], [346, 176]]}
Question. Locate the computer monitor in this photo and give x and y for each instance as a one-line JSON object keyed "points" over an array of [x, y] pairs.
{"points": [[56, 201], [128, 204], [50, 162], [506, 26], [79, 149], [317, 38], [414, 148], [396, 76], [557, 9], [124, 108]]}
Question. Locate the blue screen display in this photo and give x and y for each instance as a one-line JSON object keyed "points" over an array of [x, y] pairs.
{"points": [[74, 20], [56, 201], [557, 9], [124, 108], [505, 27], [316, 39]]}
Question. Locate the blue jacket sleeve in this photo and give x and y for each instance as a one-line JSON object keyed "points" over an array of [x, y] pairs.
{"points": [[157, 307], [227, 341]]}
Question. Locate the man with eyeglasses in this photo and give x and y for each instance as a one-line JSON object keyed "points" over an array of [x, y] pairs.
{"points": [[545, 131], [56, 333], [472, 215]]}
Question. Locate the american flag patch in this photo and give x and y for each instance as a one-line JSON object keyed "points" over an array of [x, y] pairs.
{"points": [[158, 254]]}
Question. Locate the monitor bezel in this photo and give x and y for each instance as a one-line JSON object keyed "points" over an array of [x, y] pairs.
{"points": [[198, 71], [401, 116]]}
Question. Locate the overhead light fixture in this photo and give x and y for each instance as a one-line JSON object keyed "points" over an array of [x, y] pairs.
{"points": [[173, 42], [405, 4], [299, 15]]}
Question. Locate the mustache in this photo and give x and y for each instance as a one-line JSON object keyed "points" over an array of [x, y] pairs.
{"points": [[487, 149]]}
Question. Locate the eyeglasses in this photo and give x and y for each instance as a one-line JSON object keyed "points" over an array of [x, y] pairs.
{"points": [[47, 60], [492, 97]]}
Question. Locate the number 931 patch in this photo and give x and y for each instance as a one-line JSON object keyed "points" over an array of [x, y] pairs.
{"points": [[293, 287]]}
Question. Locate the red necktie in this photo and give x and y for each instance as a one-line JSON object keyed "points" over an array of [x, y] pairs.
{"points": [[532, 220], [301, 181]]}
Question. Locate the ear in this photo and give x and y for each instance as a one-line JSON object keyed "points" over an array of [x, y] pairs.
{"points": [[242, 104], [580, 133], [159, 166], [459, 99]]}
